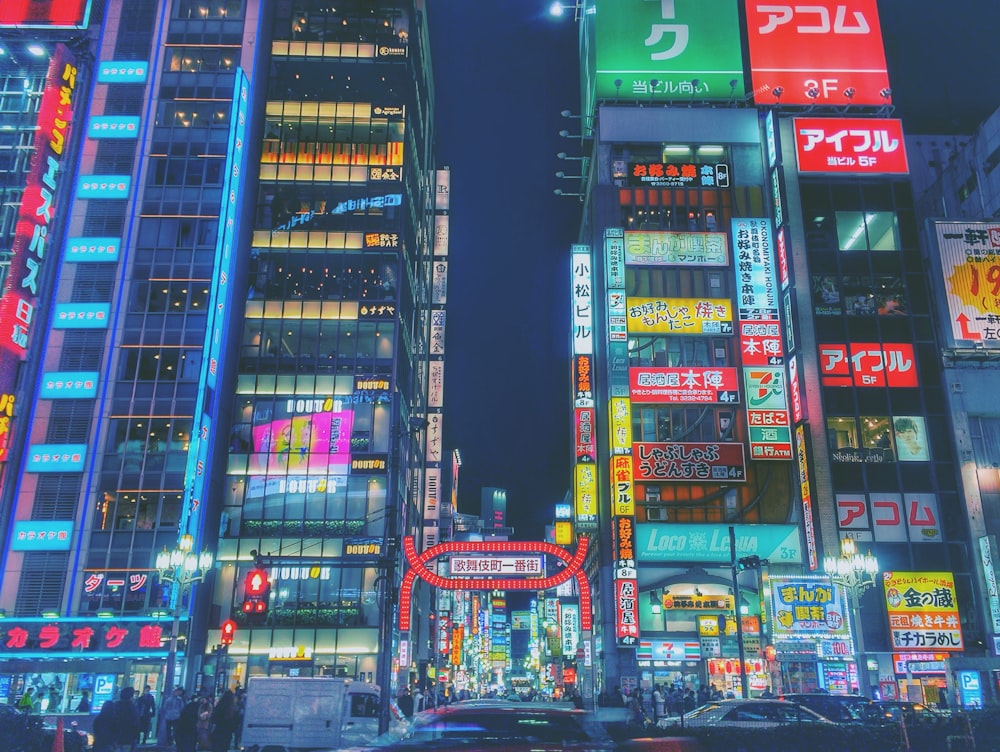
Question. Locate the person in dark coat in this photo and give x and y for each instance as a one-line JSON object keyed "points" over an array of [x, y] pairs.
{"points": [[186, 727], [104, 728], [146, 706], [84, 705], [223, 722], [126, 729]]}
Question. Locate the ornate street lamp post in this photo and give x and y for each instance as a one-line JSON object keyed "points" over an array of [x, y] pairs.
{"points": [[181, 568], [856, 573]]}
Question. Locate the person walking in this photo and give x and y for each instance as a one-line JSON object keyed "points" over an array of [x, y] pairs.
{"points": [[170, 711], [104, 728], [223, 722], [185, 728], [659, 703], [126, 720], [27, 701], [146, 706], [84, 705]]}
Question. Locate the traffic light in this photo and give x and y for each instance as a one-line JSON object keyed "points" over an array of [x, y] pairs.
{"points": [[256, 589], [748, 562], [228, 632]]}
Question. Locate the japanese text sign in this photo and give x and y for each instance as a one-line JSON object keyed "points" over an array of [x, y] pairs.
{"points": [[667, 49], [687, 385], [38, 637], [969, 257], [808, 606], [850, 146], [868, 364], [923, 611], [820, 52], [679, 316], [676, 248], [688, 461]]}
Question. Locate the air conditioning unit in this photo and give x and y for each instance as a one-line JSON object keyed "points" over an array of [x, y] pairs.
{"points": [[656, 514]]}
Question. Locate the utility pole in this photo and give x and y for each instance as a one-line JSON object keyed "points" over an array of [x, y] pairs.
{"points": [[744, 685]]}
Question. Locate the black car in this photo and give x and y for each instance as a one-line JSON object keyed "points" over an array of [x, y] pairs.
{"points": [[850, 709]]}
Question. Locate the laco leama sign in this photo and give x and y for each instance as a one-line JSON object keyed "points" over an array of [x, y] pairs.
{"points": [[667, 50]]}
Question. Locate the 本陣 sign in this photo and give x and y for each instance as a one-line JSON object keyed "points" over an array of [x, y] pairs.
{"points": [[923, 611], [821, 52], [690, 384], [850, 145]]}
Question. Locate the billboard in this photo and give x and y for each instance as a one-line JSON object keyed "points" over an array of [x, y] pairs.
{"points": [[667, 50], [852, 146], [868, 364], [659, 174], [828, 52], [676, 248], [709, 543], [889, 517], [969, 258], [286, 439], [923, 610], [688, 385], [47, 14], [679, 315], [688, 461], [808, 606]]}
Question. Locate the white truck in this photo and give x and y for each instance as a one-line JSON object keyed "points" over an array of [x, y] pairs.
{"points": [[293, 714]]}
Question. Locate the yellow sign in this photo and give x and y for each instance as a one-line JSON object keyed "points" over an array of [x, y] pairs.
{"points": [[679, 315], [699, 602], [622, 500], [621, 425], [563, 533], [585, 493], [923, 611]]}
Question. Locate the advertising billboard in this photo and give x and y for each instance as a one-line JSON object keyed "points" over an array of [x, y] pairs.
{"points": [[969, 259], [47, 14], [852, 146], [868, 364], [824, 52], [690, 385], [286, 439], [923, 611], [668, 50], [808, 606], [676, 248], [679, 316], [889, 517], [688, 461], [709, 543]]}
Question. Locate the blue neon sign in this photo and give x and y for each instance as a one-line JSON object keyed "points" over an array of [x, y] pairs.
{"points": [[69, 384], [92, 249], [113, 126], [103, 186], [122, 71], [81, 316]]}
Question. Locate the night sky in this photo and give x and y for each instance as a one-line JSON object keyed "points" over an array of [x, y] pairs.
{"points": [[504, 72]]}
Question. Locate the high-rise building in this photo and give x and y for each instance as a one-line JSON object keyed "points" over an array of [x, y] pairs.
{"points": [[242, 349], [756, 372]]}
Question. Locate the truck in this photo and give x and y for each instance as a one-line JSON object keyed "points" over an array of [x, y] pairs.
{"points": [[295, 714]]}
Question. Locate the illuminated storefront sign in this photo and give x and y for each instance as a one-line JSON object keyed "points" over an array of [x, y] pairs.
{"points": [[41, 535], [621, 425], [986, 547], [850, 146], [688, 461], [363, 547], [289, 440], [122, 71], [698, 602], [968, 254], [585, 496], [668, 650], [868, 364], [586, 445], [709, 543], [570, 628], [767, 412], [374, 464], [81, 316], [795, 390], [103, 186], [520, 566], [665, 51], [73, 637], [92, 249], [890, 517], [49, 14], [678, 175], [690, 384], [805, 492], [56, 458], [824, 52], [676, 248], [69, 385], [808, 606], [112, 126], [679, 316], [583, 293], [923, 611], [37, 209], [583, 379], [626, 586], [622, 494], [614, 248]]}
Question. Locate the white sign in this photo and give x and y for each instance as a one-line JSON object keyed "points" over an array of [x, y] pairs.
{"points": [[986, 555], [509, 566]]}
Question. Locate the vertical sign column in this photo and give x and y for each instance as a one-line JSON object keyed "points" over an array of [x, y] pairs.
{"points": [[585, 452], [622, 494]]}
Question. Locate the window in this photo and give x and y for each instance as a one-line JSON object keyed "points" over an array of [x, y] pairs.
{"points": [[873, 230]]}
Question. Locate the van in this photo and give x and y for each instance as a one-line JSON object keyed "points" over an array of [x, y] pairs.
{"points": [[298, 713]]}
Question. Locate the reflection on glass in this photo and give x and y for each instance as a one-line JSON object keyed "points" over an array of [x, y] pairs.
{"points": [[911, 443]]}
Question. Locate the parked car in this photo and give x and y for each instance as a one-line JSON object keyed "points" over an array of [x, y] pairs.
{"points": [[895, 711], [852, 709], [756, 713], [512, 727]]}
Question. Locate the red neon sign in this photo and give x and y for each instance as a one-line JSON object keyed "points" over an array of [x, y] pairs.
{"points": [[48, 13], [850, 146], [820, 52], [868, 364]]}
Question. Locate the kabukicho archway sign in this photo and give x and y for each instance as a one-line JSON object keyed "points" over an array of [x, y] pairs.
{"points": [[477, 581]]}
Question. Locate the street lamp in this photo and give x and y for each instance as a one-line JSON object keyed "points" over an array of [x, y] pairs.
{"points": [[181, 568], [856, 573]]}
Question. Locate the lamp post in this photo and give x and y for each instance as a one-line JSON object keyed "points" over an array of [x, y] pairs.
{"points": [[856, 573], [182, 568]]}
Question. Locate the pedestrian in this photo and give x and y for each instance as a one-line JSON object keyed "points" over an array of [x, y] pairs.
{"points": [[185, 728], [27, 701], [659, 703], [104, 728], [146, 706], [223, 722], [126, 720], [170, 711], [636, 715], [405, 702], [84, 705]]}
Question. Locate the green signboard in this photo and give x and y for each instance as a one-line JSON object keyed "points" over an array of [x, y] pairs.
{"points": [[709, 543], [668, 50]]}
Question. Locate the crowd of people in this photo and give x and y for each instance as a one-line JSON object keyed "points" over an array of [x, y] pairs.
{"points": [[663, 701], [185, 723]]}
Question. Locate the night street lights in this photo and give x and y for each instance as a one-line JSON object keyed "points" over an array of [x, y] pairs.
{"points": [[856, 573], [181, 568]]}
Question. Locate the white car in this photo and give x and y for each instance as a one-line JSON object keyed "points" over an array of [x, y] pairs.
{"points": [[747, 714]]}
